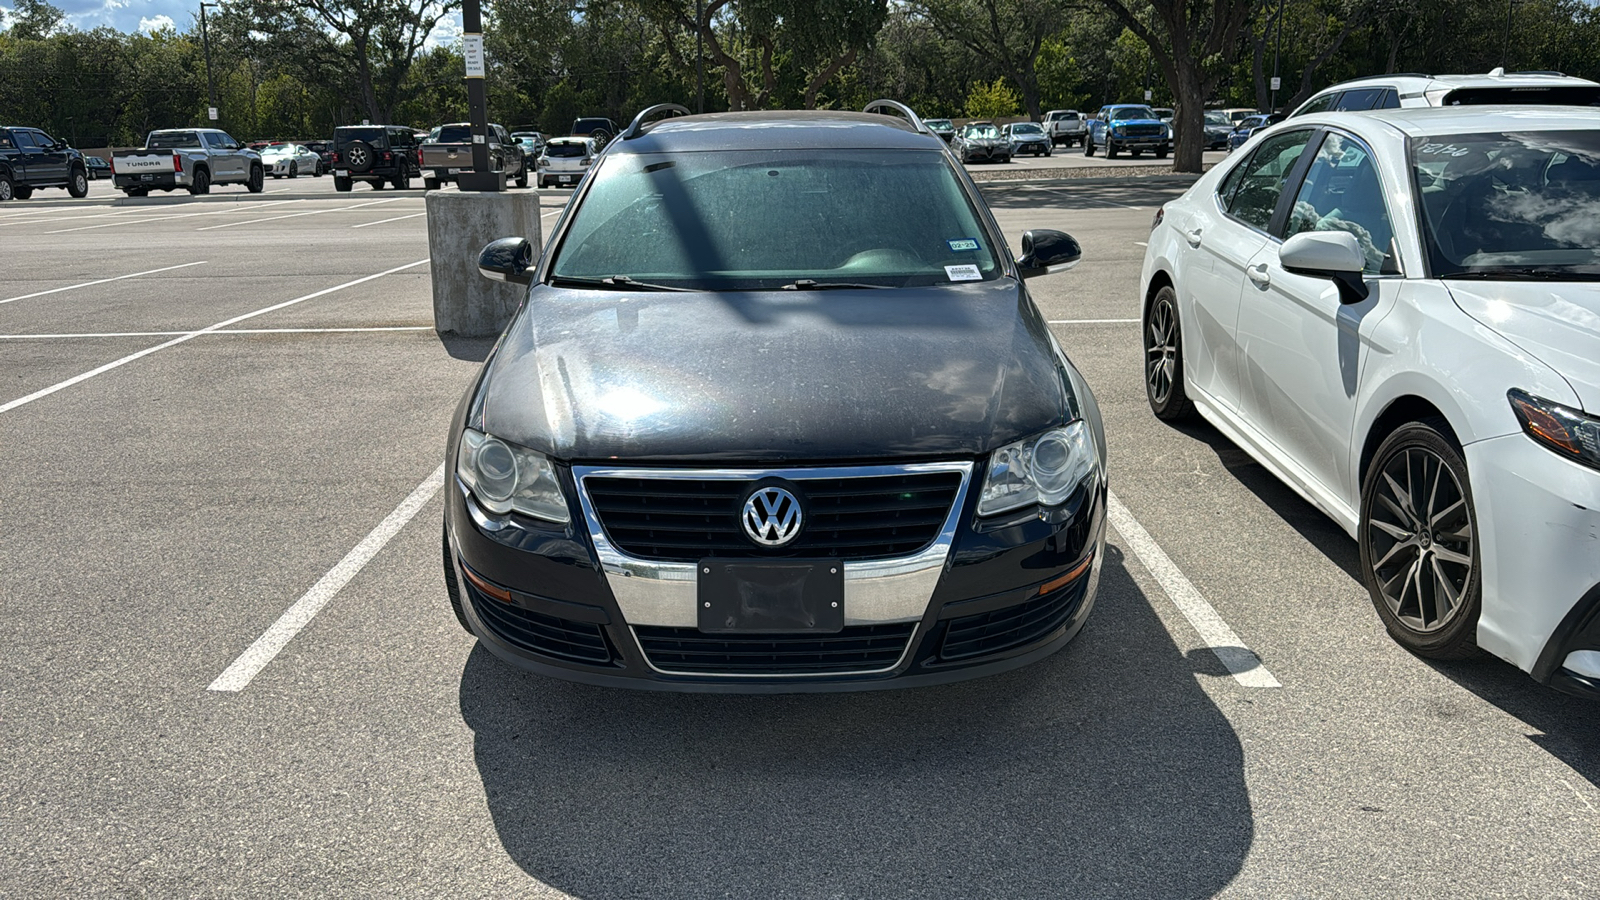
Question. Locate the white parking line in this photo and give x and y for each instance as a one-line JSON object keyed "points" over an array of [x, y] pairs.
{"points": [[190, 335], [313, 212], [395, 219], [71, 287], [250, 663], [214, 212], [133, 334], [1142, 243], [1235, 656], [1093, 321]]}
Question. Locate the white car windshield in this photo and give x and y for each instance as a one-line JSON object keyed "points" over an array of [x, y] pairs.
{"points": [[705, 221], [1510, 204]]}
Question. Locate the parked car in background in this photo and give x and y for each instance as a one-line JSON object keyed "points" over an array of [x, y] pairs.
{"points": [[290, 161], [1235, 113], [599, 128], [1218, 127], [324, 152], [1165, 114], [447, 155], [189, 158], [944, 128], [1128, 126], [1497, 87], [693, 462], [981, 142], [532, 144], [1243, 129], [565, 161], [1397, 314], [1065, 127], [380, 155], [31, 159], [97, 167], [1026, 137]]}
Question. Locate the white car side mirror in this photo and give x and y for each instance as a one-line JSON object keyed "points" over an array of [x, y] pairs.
{"points": [[1328, 254]]}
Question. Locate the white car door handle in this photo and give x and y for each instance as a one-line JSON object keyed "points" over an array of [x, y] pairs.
{"points": [[1193, 237], [1258, 274]]}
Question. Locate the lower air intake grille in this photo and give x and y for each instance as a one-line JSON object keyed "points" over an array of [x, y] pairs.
{"points": [[561, 639], [1013, 626], [858, 648]]}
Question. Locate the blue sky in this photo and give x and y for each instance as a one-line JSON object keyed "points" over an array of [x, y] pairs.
{"points": [[149, 15]]}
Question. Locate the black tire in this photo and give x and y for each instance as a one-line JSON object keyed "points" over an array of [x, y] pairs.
{"points": [[202, 182], [1163, 358], [1111, 149], [136, 192], [294, 170], [522, 177], [1135, 153], [78, 183], [601, 137], [402, 182], [452, 585], [341, 184], [430, 184], [377, 184], [360, 156], [1088, 146], [1427, 550], [22, 191], [317, 173], [257, 182], [8, 191], [1161, 154], [1048, 151]]}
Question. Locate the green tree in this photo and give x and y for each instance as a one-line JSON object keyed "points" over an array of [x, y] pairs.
{"points": [[991, 101]]}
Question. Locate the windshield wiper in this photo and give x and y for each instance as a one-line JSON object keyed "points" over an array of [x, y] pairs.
{"points": [[1533, 273], [615, 282], [806, 284]]}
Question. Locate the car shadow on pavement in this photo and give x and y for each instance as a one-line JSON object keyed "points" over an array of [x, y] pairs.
{"points": [[1104, 771], [474, 349], [1070, 193]]}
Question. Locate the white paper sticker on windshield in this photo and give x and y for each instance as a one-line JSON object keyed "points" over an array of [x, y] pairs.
{"points": [[963, 273]]}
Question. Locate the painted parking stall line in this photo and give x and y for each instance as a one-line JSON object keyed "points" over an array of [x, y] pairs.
{"points": [[239, 674], [1240, 660], [213, 212], [1093, 321], [191, 335], [133, 334], [383, 221], [314, 212], [73, 287]]}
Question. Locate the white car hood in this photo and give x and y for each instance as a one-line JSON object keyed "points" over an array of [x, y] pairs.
{"points": [[1556, 321]]}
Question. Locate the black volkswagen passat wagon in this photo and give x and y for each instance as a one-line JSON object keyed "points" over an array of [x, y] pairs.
{"points": [[777, 414]]}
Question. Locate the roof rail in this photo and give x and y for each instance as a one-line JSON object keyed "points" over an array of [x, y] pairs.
{"points": [[897, 107], [637, 127], [1551, 72]]}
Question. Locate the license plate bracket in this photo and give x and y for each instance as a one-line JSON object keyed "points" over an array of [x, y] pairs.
{"points": [[762, 596]]}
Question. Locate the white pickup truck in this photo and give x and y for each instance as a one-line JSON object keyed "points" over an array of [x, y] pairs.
{"points": [[1065, 126], [189, 158]]}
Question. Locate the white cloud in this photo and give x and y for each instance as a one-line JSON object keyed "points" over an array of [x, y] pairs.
{"points": [[447, 33], [159, 23]]}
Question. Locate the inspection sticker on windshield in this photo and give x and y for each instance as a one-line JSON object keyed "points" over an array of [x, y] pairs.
{"points": [[963, 244], [963, 273]]}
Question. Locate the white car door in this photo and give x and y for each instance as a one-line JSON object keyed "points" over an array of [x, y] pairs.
{"points": [[1302, 347], [1223, 234]]}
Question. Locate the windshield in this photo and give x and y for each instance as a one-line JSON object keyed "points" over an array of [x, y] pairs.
{"points": [[174, 140], [982, 131], [706, 221], [370, 135], [1025, 128], [278, 150], [451, 134], [1218, 118], [1510, 204], [1132, 112], [938, 125], [565, 149]]}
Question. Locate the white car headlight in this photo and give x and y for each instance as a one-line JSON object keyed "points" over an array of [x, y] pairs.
{"points": [[505, 477], [1043, 469]]}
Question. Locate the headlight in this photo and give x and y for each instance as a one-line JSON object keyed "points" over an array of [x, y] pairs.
{"points": [[1569, 432], [505, 477], [1044, 469]]}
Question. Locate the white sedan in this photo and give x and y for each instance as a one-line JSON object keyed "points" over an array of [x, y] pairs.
{"points": [[290, 161], [1398, 314]]}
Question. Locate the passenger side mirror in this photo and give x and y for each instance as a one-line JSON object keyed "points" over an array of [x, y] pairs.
{"points": [[507, 259], [1328, 254], [1045, 251]]}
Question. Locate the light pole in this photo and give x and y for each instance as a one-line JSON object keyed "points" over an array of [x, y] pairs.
{"points": [[205, 41], [481, 178], [699, 59], [1277, 53]]}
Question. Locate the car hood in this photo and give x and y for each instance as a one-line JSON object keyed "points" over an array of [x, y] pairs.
{"points": [[949, 371], [1557, 322]]}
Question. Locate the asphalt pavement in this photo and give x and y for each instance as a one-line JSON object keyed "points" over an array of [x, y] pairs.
{"points": [[209, 410]]}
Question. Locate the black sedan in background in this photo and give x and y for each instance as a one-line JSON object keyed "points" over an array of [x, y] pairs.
{"points": [[777, 414], [95, 167], [941, 127]]}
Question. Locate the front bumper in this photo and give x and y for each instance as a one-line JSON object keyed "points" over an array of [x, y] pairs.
{"points": [[1141, 142], [1038, 145], [1539, 533], [991, 598]]}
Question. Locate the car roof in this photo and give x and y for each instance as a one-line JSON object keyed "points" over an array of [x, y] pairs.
{"points": [[1421, 121], [778, 129], [1412, 83]]}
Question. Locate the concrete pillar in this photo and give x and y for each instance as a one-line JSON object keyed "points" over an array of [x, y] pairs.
{"points": [[459, 224]]}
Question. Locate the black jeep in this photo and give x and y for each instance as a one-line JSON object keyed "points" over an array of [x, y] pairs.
{"points": [[380, 154]]}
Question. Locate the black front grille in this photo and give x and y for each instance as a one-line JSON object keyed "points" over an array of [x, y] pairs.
{"points": [[1013, 626], [557, 638], [688, 519], [1141, 130], [858, 648]]}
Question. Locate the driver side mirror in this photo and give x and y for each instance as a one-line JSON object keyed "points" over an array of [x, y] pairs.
{"points": [[507, 259], [1328, 254], [1046, 251]]}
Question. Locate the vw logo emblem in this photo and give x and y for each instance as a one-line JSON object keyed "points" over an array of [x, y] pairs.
{"points": [[772, 517]]}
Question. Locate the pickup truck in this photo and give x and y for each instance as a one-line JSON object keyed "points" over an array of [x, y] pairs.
{"points": [[31, 159], [1065, 126], [447, 153], [189, 158]]}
